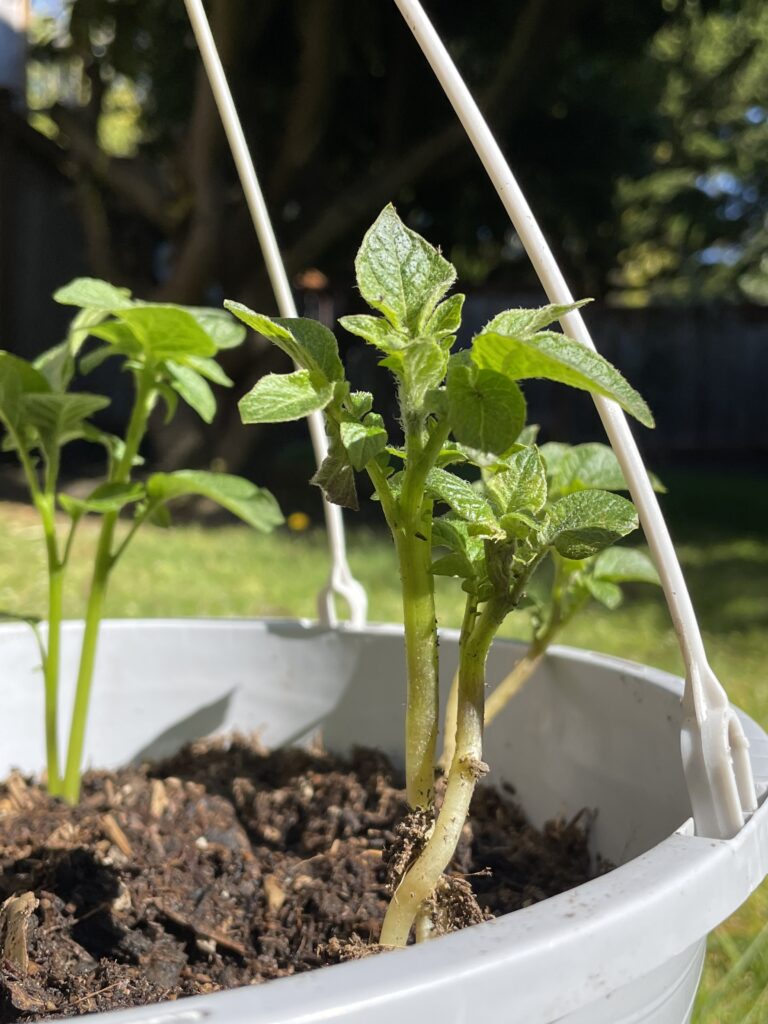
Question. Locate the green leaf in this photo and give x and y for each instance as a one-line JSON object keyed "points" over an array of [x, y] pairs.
{"points": [[114, 445], [452, 454], [58, 416], [375, 330], [521, 525], [58, 364], [557, 358], [318, 345], [529, 434], [309, 344], [209, 369], [400, 274], [462, 497], [520, 485], [93, 359], [486, 410], [254, 505], [170, 398], [421, 366], [336, 475], [466, 551], [90, 293], [105, 498], [446, 319], [359, 403], [18, 378], [453, 565], [279, 397], [603, 591], [120, 340], [223, 330], [364, 441], [522, 323], [194, 389], [581, 524], [584, 467], [166, 332], [624, 565]]}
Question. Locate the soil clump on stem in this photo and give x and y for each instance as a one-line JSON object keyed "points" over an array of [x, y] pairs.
{"points": [[228, 865]]}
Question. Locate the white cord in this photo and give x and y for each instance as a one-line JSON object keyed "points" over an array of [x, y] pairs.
{"points": [[718, 772], [341, 580]]}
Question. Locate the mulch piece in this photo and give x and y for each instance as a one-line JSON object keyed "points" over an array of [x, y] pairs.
{"points": [[228, 865]]}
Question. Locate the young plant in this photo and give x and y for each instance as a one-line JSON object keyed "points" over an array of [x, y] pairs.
{"points": [[460, 408], [562, 587], [169, 351]]}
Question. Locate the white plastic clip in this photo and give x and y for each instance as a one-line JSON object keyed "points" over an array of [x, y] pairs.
{"points": [[341, 581], [715, 751]]}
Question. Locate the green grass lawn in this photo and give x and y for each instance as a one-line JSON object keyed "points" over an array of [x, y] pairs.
{"points": [[231, 571]]}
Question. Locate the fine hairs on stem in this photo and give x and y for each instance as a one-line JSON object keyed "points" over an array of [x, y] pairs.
{"points": [[461, 415]]}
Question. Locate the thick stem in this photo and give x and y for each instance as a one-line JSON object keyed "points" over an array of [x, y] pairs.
{"points": [[412, 529], [419, 881], [414, 550], [102, 567], [71, 789], [452, 704]]}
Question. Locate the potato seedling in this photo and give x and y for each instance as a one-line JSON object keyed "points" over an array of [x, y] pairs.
{"points": [[459, 411], [170, 352]]}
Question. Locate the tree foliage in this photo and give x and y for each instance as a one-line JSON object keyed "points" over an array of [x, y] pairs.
{"points": [[693, 222], [342, 114]]}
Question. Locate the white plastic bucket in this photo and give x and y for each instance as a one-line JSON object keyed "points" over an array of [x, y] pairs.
{"points": [[591, 730]]}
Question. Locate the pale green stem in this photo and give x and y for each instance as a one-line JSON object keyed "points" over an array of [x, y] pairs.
{"points": [[513, 682], [413, 542], [138, 522], [51, 669], [420, 880], [102, 567], [410, 520], [452, 704], [52, 652], [414, 551]]}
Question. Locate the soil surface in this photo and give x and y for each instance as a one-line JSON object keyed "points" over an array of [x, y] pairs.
{"points": [[227, 865]]}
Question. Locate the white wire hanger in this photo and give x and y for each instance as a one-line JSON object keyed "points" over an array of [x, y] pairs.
{"points": [[341, 582], [715, 750]]}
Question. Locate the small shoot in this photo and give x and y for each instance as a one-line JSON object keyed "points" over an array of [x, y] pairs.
{"points": [[563, 587], [170, 352]]}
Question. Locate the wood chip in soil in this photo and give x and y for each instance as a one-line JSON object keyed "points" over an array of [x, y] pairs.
{"points": [[228, 865]]}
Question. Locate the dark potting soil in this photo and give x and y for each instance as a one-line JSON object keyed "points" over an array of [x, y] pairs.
{"points": [[227, 865]]}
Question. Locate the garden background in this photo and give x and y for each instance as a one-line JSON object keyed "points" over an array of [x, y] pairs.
{"points": [[640, 134]]}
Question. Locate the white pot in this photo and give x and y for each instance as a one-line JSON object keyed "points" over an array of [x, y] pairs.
{"points": [[591, 730]]}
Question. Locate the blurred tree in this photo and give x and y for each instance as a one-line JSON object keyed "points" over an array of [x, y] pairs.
{"points": [[694, 221], [343, 115]]}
